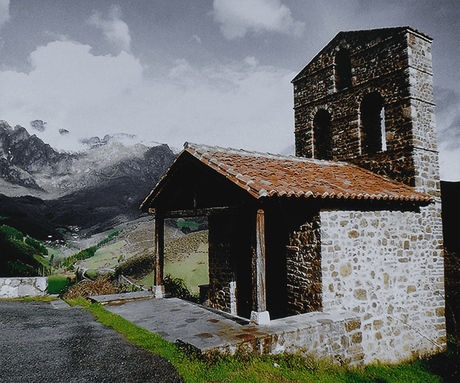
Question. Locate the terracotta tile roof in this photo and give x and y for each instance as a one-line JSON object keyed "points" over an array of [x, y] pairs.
{"points": [[268, 175]]}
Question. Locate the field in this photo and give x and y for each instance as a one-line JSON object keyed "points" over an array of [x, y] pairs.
{"points": [[107, 256], [192, 268]]}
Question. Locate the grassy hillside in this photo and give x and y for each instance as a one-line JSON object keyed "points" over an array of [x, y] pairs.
{"points": [[107, 257], [21, 256], [191, 266], [131, 252]]}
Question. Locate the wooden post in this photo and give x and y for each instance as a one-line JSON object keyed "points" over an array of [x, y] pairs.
{"points": [[259, 314], [159, 256]]}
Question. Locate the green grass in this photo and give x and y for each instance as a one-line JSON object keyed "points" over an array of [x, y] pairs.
{"points": [[54, 251], [80, 301], [107, 256], [31, 299], [56, 283], [193, 270], [148, 280], [260, 368], [43, 261]]}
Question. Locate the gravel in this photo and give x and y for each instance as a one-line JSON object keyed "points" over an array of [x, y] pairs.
{"points": [[40, 343]]}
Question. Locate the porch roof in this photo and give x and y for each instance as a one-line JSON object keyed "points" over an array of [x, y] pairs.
{"points": [[265, 175]]}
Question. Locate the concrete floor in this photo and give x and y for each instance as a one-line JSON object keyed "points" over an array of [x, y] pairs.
{"points": [[207, 330], [181, 321]]}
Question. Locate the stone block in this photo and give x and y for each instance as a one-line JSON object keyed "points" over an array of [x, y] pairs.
{"points": [[352, 325]]}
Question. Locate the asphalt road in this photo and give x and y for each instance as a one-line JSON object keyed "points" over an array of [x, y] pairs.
{"points": [[41, 343]]}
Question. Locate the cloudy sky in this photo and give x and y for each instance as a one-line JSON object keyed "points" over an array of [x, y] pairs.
{"points": [[216, 72]]}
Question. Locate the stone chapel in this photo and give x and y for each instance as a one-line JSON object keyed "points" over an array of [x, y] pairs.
{"points": [[351, 224]]}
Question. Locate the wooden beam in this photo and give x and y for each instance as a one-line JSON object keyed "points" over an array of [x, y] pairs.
{"points": [[260, 303], [159, 249], [194, 212]]}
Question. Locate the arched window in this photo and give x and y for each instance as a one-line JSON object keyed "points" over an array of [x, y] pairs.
{"points": [[322, 135], [372, 124], [343, 69]]}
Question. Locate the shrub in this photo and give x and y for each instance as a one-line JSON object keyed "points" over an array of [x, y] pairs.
{"points": [[111, 236], [85, 289], [11, 232], [37, 245], [186, 226], [57, 283]]}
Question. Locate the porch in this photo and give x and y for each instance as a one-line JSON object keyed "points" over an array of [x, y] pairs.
{"points": [[331, 335]]}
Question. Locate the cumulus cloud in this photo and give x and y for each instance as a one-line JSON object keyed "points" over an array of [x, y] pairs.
{"points": [[66, 85], [241, 104], [4, 12], [237, 17], [114, 29]]}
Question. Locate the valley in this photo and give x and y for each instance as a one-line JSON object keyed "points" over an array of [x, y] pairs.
{"points": [[54, 196]]}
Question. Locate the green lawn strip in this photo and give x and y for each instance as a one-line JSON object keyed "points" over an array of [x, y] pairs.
{"points": [[259, 368], [188, 368], [31, 299]]}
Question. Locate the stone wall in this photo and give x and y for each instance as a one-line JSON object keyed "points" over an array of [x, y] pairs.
{"points": [[23, 287], [387, 267], [334, 336], [396, 64], [303, 263], [222, 291]]}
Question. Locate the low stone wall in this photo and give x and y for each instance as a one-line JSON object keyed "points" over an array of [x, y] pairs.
{"points": [[335, 335], [23, 287]]}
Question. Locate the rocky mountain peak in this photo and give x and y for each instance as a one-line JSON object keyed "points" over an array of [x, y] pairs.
{"points": [[95, 189], [95, 142], [39, 125]]}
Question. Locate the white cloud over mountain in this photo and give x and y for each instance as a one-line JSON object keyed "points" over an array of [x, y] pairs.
{"points": [[215, 72], [71, 88]]}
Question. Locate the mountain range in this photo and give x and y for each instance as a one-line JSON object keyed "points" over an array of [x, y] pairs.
{"points": [[48, 194], [45, 192]]}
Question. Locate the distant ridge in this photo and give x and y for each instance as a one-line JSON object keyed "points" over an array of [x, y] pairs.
{"points": [[42, 189]]}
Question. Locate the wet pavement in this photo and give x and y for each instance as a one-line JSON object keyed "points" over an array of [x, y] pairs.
{"points": [[53, 342]]}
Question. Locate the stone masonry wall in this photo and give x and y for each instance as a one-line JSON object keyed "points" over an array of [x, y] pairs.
{"points": [[23, 287], [387, 266], [334, 336], [221, 267], [379, 63], [423, 115], [303, 262], [396, 64]]}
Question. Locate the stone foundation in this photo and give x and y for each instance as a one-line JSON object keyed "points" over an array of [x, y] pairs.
{"points": [[336, 336]]}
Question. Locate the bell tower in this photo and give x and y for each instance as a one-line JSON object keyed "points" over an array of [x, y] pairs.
{"points": [[367, 98]]}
